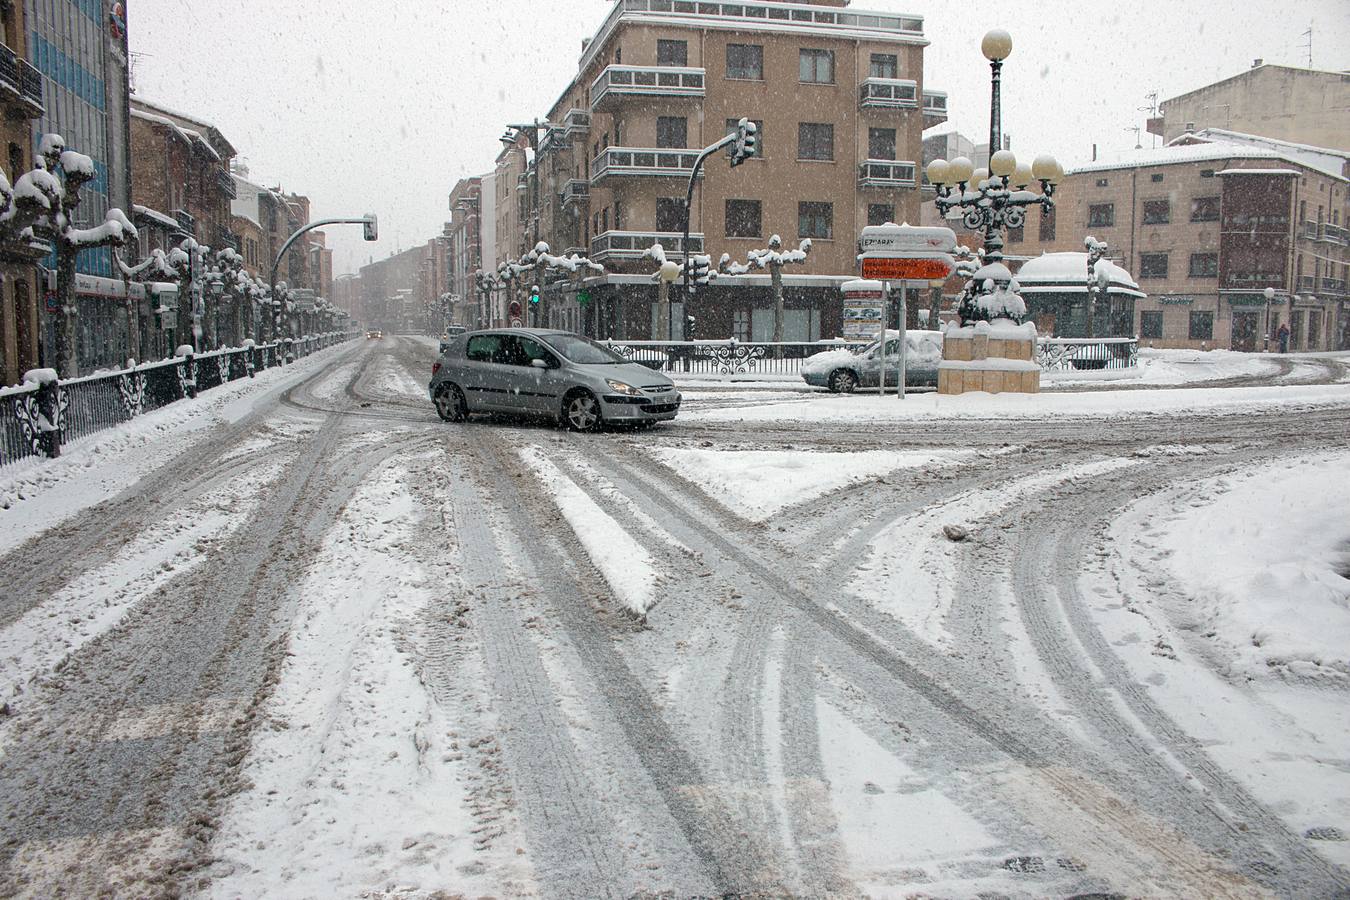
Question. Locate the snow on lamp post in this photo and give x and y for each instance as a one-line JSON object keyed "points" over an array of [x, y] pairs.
{"points": [[668, 273], [1098, 280], [996, 198], [772, 258]]}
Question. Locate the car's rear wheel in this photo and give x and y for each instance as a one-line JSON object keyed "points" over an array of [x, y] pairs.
{"points": [[842, 381], [450, 404], [581, 411]]}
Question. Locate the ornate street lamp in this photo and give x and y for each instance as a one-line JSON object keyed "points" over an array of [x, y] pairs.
{"points": [[995, 198]]}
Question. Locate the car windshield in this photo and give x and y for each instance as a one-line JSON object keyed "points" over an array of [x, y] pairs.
{"points": [[583, 350]]}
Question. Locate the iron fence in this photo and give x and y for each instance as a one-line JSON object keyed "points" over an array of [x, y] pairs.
{"points": [[1087, 354], [37, 418]]}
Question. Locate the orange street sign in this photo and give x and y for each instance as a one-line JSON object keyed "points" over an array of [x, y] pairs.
{"points": [[891, 269]]}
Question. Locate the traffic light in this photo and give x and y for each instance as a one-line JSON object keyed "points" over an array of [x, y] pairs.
{"points": [[371, 227], [747, 142], [700, 268], [534, 295]]}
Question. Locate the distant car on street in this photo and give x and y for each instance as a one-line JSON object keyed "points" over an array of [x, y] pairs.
{"points": [[374, 335], [844, 371], [581, 384]]}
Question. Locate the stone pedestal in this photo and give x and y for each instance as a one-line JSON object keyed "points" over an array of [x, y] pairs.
{"points": [[995, 358]]}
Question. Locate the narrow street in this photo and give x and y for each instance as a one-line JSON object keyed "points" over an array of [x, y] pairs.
{"points": [[340, 647]]}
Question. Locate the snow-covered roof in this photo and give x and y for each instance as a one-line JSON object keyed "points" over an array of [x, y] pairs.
{"points": [[155, 216], [1324, 159], [1067, 273], [1240, 171], [1205, 151], [187, 135], [189, 123]]}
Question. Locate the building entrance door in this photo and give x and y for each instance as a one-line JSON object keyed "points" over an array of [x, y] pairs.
{"points": [[1245, 325]]}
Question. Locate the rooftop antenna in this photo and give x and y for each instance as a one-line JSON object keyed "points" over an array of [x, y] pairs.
{"points": [[1308, 43], [1152, 110], [1136, 129]]}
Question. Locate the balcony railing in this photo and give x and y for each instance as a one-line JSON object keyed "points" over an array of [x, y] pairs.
{"points": [[185, 220], [578, 121], [780, 14], [886, 173], [20, 81], [1333, 233], [616, 83], [1333, 286], [643, 161], [888, 93], [226, 184], [576, 190], [934, 108], [1308, 230], [632, 244], [226, 238], [1306, 283]]}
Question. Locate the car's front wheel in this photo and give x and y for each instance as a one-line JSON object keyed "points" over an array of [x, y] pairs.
{"points": [[450, 404], [581, 411], [842, 381]]}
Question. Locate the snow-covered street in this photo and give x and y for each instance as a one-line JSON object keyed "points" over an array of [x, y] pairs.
{"points": [[300, 638]]}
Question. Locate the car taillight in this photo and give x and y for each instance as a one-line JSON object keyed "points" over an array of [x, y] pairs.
{"points": [[435, 367]]}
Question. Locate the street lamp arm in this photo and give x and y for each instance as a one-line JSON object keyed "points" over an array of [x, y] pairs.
{"points": [[276, 264], [708, 151]]}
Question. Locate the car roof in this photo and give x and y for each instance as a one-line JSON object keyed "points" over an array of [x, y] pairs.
{"points": [[541, 332]]}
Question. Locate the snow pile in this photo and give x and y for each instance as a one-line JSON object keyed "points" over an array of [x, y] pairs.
{"points": [[1259, 563], [923, 349], [625, 564], [756, 484], [824, 363]]}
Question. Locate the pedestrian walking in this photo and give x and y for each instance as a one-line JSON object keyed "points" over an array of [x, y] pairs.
{"points": [[1283, 335]]}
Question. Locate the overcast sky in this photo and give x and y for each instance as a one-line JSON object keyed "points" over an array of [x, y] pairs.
{"points": [[381, 107]]}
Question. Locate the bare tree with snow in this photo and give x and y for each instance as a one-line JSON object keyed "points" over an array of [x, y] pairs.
{"points": [[773, 258]]}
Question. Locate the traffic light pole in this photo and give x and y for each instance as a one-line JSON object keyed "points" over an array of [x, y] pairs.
{"points": [[688, 208], [371, 234]]}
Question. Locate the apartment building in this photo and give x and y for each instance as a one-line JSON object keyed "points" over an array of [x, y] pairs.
{"points": [[841, 104], [21, 99], [465, 253], [1302, 106], [1205, 225]]}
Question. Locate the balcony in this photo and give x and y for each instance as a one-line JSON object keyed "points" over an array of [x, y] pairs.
{"points": [[226, 184], [576, 190], [1333, 286], [1308, 230], [1334, 234], [886, 173], [185, 221], [1306, 283], [578, 121], [614, 162], [888, 93], [226, 238], [616, 84], [934, 108], [20, 83], [632, 244], [555, 138]]}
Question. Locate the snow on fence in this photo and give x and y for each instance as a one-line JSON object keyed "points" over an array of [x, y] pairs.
{"points": [[768, 359], [41, 414]]}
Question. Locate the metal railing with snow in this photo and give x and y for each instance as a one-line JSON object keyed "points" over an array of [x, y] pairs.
{"points": [[40, 415], [1087, 354], [725, 357]]}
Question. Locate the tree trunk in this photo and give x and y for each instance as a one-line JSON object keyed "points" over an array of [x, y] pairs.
{"points": [[66, 335], [776, 279], [663, 311]]}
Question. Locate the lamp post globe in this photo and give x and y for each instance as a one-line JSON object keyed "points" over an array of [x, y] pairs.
{"points": [[939, 171], [1269, 294], [1003, 163], [1022, 175], [960, 169], [996, 45]]}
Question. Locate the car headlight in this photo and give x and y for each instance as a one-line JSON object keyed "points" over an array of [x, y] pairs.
{"points": [[620, 387]]}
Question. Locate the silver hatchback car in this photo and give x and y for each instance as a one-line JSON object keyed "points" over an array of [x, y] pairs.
{"points": [[573, 379]]}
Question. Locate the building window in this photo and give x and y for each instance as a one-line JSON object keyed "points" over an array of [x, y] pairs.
{"points": [[1205, 209], [1202, 325], [672, 131], [1157, 212], [1102, 182], [16, 166], [816, 67], [745, 61], [880, 213], [672, 53], [669, 215], [884, 66], [1151, 324], [733, 124], [815, 220], [1204, 265], [1153, 265], [1206, 173], [881, 143], [743, 218], [1101, 215], [1016, 235], [815, 140], [1047, 224], [1156, 177], [740, 324]]}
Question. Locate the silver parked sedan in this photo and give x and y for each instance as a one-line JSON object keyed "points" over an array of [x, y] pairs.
{"points": [[580, 383]]}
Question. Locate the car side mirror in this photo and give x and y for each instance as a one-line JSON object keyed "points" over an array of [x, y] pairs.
{"points": [[445, 346], [540, 363]]}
